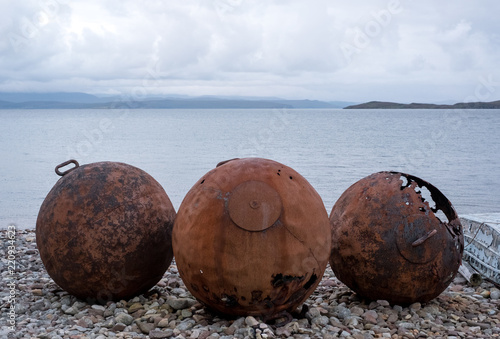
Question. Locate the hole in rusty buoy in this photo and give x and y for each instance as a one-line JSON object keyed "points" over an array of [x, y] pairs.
{"points": [[404, 183], [291, 178], [426, 196], [202, 181], [441, 216], [427, 199]]}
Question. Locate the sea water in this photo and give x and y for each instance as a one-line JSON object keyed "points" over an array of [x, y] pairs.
{"points": [[458, 151]]}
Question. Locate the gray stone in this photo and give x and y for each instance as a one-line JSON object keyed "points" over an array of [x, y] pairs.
{"points": [[406, 325], [79, 304], [55, 304], [351, 321], [37, 306], [180, 303], [397, 308], [431, 309], [135, 307], [383, 302], [234, 326], [186, 325], [313, 313], [119, 310], [357, 311], [186, 313], [343, 312], [321, 321], [108, 323], [415, 306], [163, 323], [245, 332], [124, 318], [371, 316], [118, 327], [251, 321], [159, 334], [145, 327], [71, 310], [98, 308]]}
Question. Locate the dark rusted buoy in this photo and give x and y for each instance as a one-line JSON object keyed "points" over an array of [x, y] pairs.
{"points": [[252, 237], [395, 237], [104, 231]]}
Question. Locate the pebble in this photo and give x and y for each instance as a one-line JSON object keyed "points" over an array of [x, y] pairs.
{"points": [[135, 307], [146, 327], [251, 321], [158, 334], [495, 293], [180, 303], [370, 316], [43, 310], [124, 318]]}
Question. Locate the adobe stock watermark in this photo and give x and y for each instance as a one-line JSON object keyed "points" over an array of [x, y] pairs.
{"points": [[362, 36], [30, 27], [224, 7], [257, 145], [93, 138], [454, 119], [11, 277]]}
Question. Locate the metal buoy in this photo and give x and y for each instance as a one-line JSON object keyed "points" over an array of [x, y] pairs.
{"points": [[395, 237], [104, 231], [252, 237]]}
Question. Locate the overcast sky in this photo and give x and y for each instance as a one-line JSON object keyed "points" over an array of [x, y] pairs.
{"points": [[358, 50]]}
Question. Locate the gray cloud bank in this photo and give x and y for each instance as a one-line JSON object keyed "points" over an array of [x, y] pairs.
{"points": [[396, 50]]}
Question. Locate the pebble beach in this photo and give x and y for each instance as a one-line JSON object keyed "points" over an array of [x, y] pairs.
{"points": [[33, 306]]}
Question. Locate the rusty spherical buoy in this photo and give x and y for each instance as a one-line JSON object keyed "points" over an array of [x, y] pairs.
{"points": [[395, 237], [251, 237], [104, 231]]}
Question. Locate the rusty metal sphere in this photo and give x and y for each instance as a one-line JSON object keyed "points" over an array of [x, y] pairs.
{"points": [[251, 237], [104, 231], [395, 237]]}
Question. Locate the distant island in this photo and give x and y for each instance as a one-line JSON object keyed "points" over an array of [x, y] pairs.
{"points": [[394, 105], [77, 100]]}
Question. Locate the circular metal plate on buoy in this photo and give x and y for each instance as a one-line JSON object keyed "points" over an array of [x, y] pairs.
{"points": [[415, 228], [254, 205]]}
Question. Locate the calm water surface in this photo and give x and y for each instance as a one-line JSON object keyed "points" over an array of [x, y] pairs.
{"points": [[457, 151]]}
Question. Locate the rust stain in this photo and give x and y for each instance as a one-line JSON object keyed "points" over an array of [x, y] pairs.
{"points": [[259, 246], [104, 231], [395, 237]]}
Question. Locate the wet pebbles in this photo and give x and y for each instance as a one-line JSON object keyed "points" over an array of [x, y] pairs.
{"points": [[43, 310]]}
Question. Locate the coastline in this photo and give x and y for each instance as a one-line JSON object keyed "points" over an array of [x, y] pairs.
{"points": [[43, 310]]}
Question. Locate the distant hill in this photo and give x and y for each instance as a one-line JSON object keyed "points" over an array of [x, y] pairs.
{"points": [[74, 97], [78, 100], [394, 105]]}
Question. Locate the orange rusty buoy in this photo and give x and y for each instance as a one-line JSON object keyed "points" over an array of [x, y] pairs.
{"points": [[252, 237], [104, 231], [395, 237]]}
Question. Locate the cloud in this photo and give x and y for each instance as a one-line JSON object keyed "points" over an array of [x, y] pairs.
{"points": [[361, 50]]}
